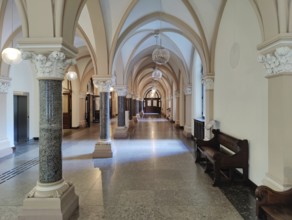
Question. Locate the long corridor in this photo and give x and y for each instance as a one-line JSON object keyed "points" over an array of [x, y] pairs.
{"points": [[152, 175]]}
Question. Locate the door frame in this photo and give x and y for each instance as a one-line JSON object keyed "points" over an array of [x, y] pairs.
{"points": [[26, 94]]}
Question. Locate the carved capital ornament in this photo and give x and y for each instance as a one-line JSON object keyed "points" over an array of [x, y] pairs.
{"points": [[103, 84], [49, 67], [4, 85], [208, 82], [188, 90], [121, 90], [280, 61]]}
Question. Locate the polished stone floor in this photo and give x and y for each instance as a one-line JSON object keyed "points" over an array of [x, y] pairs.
{"points": [[152, 175]]}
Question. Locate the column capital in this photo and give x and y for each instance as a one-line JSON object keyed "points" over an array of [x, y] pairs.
{"points": [[50, 67], [121, 90], [188, 90], [103, 83], [4, 85], [278, 61], [208, 81]]}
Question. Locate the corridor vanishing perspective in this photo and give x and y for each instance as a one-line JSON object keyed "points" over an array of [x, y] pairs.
{"points": [[151, 176]]}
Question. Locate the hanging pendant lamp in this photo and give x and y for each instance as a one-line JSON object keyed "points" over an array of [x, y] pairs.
{"points": [[160, 55], [11, 55]]}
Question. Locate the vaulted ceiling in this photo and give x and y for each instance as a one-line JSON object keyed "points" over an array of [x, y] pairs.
{"points": [[128, 27]]}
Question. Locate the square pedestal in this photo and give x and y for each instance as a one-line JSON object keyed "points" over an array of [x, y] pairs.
{"points": [[102, 150], [121, 133], [60, 208]]}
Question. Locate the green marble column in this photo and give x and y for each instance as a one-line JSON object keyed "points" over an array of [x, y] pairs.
{"points": [[50, 141]]}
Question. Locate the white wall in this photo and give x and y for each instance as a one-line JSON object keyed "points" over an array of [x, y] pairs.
{"points": [[23, 81], [240, 90], [196, 90]]}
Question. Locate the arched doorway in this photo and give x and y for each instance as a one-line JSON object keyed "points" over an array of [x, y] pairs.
{"points": [[152, 102]]}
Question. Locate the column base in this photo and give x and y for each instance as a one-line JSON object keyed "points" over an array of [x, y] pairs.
{"points": [[56, 201], [187, 132], [121, 133], [103, 149], [274, 184], [5, 148]]}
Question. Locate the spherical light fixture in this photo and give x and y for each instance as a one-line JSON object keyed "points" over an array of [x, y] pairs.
{"points": [[157, 74], [71, 75], [11, 56], [160, 56]]}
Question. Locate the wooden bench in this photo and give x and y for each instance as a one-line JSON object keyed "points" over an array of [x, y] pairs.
{"points": [[272, 204], [224, 152]]}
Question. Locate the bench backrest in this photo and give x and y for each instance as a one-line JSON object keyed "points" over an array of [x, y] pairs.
{"points": [[229, 142]]}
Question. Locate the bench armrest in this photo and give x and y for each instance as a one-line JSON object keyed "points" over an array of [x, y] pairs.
{"points": [[211, 143], [268, 196]]}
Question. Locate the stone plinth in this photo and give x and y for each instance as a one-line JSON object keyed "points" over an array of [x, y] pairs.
{"points": [[121, 133], [103, 149], [57, 205]]}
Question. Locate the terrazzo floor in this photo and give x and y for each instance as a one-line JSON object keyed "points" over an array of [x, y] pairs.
{"points": [[152, 175]]}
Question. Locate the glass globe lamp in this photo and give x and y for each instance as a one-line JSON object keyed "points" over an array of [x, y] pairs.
{"points": [[11, 56], [157, 74], [160, 55], [71, 75]]}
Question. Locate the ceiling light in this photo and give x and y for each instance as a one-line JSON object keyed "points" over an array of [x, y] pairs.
{"points": [[71, 75], [157, 74], [160, 55], [11, 55]]}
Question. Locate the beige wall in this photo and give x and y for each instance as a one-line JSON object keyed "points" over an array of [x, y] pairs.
{"points": [[240, 100]]}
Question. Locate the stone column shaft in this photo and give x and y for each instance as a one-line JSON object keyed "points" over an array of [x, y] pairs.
{"points": [[122, 109], [121, 132], [140, 106], [104, 116], [50, 141], [129, 107], [133, 107], [137, 106]]}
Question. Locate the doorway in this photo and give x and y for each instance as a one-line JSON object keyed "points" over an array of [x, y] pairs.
{"points": [[21, 117], [67, 110]]}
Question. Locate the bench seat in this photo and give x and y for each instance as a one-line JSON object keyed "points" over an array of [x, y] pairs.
{"points": [[223, 152]]}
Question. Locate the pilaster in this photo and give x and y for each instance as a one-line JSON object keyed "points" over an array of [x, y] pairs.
{"points": [[208, 82], [278, 65], [188, 115], [5, 147], [177, 95], [103, 146]]}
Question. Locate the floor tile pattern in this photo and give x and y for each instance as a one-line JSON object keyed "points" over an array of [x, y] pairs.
{"points": [[17, 170], [152, 176]]}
